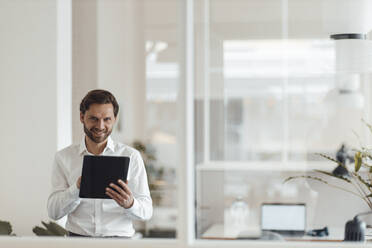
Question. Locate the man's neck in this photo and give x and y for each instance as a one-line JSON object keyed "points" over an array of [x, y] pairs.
{"points": [[95, 148]]}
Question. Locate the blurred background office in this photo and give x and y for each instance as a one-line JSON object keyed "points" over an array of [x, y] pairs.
{"points": [[271, 89]]}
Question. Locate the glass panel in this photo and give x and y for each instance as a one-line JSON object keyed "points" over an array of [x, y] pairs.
{"points": [[311, 69], [253, 93], [233, 45], [239, 111], [138, 51], [272, 91], [162, 75]]}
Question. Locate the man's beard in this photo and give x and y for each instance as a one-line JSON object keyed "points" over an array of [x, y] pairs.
{"points": [[90, 134]]}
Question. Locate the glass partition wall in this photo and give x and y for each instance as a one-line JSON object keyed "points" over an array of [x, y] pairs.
{"points": [[226, 100], [131, 48], [272, 91]]}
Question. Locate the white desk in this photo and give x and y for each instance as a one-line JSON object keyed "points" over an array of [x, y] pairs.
{"points": [[218, 232]]}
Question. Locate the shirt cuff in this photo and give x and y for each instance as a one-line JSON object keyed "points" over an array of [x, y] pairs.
{"points": [[134, 208], [74, 191]]}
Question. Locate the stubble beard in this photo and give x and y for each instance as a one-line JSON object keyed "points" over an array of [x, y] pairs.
{"points": [[90, 134]]}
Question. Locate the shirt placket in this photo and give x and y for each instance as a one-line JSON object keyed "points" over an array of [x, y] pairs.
{"points": [[98, 216], [98, 227]]}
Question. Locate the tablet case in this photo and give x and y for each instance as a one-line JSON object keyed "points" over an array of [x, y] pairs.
{"points": [[99, 171]]}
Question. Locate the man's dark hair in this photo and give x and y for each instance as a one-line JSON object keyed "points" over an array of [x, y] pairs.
{"points": [[99, 97]]}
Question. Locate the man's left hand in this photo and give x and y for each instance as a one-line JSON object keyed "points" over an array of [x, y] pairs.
{"points": [[122, 195]]}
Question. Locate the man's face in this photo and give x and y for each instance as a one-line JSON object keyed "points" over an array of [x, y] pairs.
{"points": [[98, 121]]}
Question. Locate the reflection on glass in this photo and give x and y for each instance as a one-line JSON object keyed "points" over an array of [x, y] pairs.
{"points": [[238, 214], [137, 57], [266, 101], [161, 126]]}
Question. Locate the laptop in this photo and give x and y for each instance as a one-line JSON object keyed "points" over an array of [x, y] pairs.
{"points": [[286, 219]]}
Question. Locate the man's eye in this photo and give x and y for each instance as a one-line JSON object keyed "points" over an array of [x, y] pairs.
{"points": [[93, 118], [108, 119]]}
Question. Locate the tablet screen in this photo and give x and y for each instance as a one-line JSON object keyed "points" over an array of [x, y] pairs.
{"points": [[98, 172]]}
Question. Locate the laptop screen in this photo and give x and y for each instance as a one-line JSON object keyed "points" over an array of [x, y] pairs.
{"points": [[283, 217]]}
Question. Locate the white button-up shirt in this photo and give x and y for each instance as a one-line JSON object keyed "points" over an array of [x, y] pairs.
{"points": [[97, 217]]}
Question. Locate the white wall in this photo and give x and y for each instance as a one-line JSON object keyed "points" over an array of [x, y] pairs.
{"points": [[84, 57], [28, 110], [107, 41], [121, 62]]}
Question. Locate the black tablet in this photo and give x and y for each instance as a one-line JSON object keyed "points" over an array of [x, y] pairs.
{"points": [[98, 172]]}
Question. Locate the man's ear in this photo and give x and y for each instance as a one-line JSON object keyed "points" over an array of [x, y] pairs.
{"points": [[81, 117]]}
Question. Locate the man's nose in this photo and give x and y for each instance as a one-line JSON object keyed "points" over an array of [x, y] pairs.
{"points": [[101, 124]]}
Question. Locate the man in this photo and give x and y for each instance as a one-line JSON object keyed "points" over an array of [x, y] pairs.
{"points": [[129, 201]]}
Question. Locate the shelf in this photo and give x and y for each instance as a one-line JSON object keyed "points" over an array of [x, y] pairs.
{"points": [[265, 166]]}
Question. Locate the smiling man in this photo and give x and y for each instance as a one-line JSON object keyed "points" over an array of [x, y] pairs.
{"points": [[129, 201]]}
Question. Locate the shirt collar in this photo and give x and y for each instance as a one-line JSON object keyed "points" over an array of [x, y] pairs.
{"points": [[110, 145]]}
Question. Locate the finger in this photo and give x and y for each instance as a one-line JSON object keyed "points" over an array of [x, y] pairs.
{"points": [[110, 195], [123, 196], [114, 198], [78, 182], [117, 188], [125, 186], [114, 193]]}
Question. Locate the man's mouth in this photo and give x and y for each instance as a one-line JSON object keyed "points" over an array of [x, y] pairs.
{"points": [[99, 133]]}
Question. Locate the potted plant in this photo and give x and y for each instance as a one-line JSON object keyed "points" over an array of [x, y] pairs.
{"points": [[359, 176], [6, 228], [50, 229]]}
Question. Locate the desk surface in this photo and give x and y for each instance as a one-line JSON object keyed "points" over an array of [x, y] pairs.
{"points": [[218, 232]]}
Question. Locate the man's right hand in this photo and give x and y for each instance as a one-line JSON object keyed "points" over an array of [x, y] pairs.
{"points": [[78, 182]]}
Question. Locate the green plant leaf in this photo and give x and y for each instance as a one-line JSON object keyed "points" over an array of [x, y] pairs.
{"points": [[5, 228], [39, 231], [302, 176], [358, 161], [332, 159], [331, 175], [365, 152], [368, 185], [51, 229], [55, 229]]}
